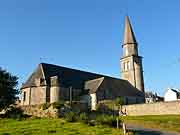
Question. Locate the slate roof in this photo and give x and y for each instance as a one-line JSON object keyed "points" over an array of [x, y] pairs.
{"points": [[177, 92], [117, 87], [67, 76], [80, 80], [93, 85], [129, 37], [37, 73]]}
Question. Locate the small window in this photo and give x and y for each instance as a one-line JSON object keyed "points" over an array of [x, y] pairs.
{"points": [[125, 66], [128, 65], [24, 96], [41, 80]]}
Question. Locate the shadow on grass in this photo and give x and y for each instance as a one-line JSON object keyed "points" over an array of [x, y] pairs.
{"points": [[143, 132], [5, 134]]}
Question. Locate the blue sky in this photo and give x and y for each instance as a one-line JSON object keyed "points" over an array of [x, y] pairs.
{"points": [[87, 35]]}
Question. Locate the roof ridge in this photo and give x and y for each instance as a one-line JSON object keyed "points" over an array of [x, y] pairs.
{"points": [[81, 70]]}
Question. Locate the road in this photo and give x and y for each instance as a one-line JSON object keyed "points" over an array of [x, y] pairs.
{"points": [[148, 131]]}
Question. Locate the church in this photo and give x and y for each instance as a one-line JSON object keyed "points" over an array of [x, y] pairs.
{"points": [[52, 83]]}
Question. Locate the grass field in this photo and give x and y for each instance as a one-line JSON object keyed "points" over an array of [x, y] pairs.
{"points": [[164, 122], [51, 126]]}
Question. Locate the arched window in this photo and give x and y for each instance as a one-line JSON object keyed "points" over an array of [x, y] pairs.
{"points": [[124, 66], [128, 65], [24, 96]]}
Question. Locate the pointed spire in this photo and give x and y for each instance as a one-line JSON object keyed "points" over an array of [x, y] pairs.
{"points": [[129, 37]]}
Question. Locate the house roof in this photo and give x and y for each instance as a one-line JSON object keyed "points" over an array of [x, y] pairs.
{"points": [[176, 91]]}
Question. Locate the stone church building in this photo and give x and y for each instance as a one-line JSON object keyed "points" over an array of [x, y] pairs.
{"points": [[51, 83]]}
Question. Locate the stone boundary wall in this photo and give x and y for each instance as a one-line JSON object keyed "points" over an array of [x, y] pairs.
{"points": [[50, 112], [160, 108], [37, 110]]}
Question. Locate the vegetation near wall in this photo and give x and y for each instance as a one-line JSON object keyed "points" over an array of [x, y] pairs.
{"points": [[99, 123], [53, 110]]}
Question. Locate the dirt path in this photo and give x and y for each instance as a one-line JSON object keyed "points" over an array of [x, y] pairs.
{"points": [[148, 131]]}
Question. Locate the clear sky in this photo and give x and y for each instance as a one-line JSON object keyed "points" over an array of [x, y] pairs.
{"points": [[87, 35]]}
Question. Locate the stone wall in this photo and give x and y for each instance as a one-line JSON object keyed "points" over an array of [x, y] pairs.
{"points": [[38, 95], [160, 108], [47, 110], [37, 110], [34, 95]]}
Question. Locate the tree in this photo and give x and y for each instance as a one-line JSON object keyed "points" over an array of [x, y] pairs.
{"points": [[119, 102], [8, 89]]}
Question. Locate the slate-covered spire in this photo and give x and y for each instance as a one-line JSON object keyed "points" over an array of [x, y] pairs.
{"points": [[129, 37], [131, 62]]}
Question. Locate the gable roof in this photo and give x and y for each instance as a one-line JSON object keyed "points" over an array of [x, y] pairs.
{"points": [[37, 74], [66, 76], [176, 91], [80, 80], [117, 87], [93, 85], [122, 87]]}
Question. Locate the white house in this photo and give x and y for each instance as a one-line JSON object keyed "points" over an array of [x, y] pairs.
{"points": [[172, 95]]}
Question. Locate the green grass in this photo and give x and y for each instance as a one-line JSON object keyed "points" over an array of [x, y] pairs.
{"points": [[164, 122], [51, 126]]}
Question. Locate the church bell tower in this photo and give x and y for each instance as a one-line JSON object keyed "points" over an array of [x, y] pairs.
{"points": [[131, 62]]}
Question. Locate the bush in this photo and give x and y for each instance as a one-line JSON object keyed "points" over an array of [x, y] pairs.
{"points": [[13, 112], [58, 105], [70, 116], [83, 117], [92, 123], [35, 117], [107, 120], [45, 106]]}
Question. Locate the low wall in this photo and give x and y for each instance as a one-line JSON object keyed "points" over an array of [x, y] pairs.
{"points": [[160, 108], [49, 111], [37, 110]]}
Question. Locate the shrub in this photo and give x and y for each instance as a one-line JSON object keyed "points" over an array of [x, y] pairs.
{"points": [[35, 117], [58, 105], [119, 101], [70, 116], [83, 117], [107, 120], [13, 112], [45, 106], [103, 108], [76, 110], [92, 123]]}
